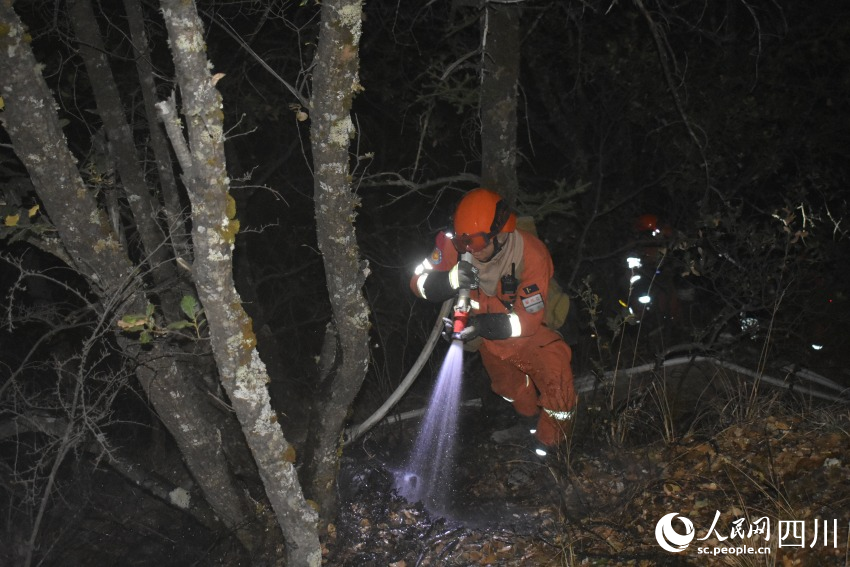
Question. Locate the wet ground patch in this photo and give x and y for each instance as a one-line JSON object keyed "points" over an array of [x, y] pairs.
{"points": [[599, 503]]}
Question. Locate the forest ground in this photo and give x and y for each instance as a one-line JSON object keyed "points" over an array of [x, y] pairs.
{"points": [[693, 443]]}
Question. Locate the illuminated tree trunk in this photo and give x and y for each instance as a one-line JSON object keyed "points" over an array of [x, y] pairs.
{"points": [[335, 83], [214, 229], [94, 250]]}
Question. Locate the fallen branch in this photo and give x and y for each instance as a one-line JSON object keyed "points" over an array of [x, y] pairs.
{"points": [[814, 377]]}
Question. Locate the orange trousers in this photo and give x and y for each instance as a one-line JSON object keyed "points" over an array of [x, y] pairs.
{"points": [[535, 374]]}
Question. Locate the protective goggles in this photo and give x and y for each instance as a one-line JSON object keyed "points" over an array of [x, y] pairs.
{"points": [[471, 242], [478, 241]]}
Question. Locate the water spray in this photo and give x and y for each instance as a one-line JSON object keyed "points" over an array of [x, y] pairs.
{"points": [[427, 477]]}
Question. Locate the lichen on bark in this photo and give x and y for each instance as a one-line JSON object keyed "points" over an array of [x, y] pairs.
{"points": [[335, 84], [92, 248], [243, 374]]}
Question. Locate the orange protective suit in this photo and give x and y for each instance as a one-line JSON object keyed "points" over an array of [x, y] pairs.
{"points": [[531, 370]]}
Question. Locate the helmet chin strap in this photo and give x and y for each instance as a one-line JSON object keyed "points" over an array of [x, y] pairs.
{"points": [[497, 247]]}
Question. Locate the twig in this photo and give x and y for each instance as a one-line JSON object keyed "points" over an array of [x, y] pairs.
{"points": [[393, 179], [174, 128], [232, 33], [65, 446], [677, 100]]}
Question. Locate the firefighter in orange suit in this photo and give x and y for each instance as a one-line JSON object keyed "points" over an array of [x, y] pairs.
{"points": [[528, 363]]}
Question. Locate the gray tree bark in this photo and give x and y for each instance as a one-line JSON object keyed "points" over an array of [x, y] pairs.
{"points": [[120, 135], [159, 143], [500, 41], [241, 370], [94, 250], [335, 83], [33, 126]]}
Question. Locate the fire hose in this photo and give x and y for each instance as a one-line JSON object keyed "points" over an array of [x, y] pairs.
{"points": [[354, 432], [460, 319]]}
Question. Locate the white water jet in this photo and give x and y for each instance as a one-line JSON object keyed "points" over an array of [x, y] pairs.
{"points": [[428, 474]]}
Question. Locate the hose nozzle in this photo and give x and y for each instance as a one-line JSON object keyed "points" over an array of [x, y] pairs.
{"points": [[459, 322], [462, 306]]}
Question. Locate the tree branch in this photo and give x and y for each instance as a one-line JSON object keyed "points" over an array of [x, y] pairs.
{"points": [[677, 100], [174, 128]]}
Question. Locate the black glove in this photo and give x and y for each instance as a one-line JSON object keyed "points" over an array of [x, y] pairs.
{"points": [[493, 326], [469, 332], [463, 276], [439, 286], [448, 329]]}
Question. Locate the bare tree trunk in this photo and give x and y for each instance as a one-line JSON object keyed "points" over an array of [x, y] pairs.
{"points": [[335, 83], [159, 143], [181, 407], [207, 429], [120, 136], [242, 373], [31, 121], [33, 126], [500, 74]]}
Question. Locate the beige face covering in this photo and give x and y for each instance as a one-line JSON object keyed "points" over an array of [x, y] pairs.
{"points": [[490, 272]]}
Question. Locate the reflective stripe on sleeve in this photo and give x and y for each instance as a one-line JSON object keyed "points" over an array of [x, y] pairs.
{"points": [[454, 277], [516, 325], [421, 268], [420, 284]]}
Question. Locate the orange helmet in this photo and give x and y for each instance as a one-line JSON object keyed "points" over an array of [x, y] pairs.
{"points": [[646, 222], [481, 215]]}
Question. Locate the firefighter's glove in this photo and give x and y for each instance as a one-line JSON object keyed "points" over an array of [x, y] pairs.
{"points": [[439, 286], [448, 329], [463, 276], [493, 326], [468, 333]]}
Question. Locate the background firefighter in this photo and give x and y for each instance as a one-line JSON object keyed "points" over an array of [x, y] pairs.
{"points": [[510, 273]]}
